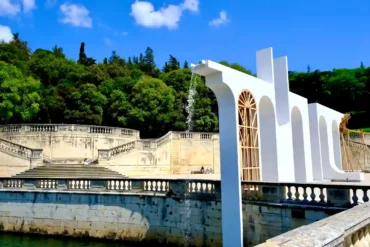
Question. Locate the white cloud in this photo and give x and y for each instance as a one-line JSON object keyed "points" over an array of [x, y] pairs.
{"points": [[9, 8], [76, 15], [145, 14], [50, 3], [5, 34], [192, 5], [28, 5], [222, 19]]}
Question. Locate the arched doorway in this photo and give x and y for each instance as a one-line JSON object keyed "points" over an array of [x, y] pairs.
{"points": [[324, 143], [298, 146], [269, 161], [336, 144], [248, 137]]}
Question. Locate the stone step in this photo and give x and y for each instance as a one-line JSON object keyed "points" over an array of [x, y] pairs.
{"points": [[71, 175], [69, 171]]}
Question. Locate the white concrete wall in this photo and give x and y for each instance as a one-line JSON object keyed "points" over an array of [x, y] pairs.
{"points": [[285, 145], [326, 153], [301, 138]]}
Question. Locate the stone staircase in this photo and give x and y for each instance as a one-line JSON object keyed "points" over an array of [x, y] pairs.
{"points": [[69, 171]]}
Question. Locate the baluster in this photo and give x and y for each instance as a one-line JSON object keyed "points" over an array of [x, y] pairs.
{"points": [[305, 195], [289, 194], [363, 237], [154, 185], [312, 195], [348, 242], [367, 234], [354, 197], [322, 196], [77, 184], [145, 185], [365, 198], [355, 240], [296, 194], [207, 188], [150, 185]]}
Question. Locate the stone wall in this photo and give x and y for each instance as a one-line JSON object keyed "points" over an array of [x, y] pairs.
{"points": [[118, 149], [67, 141], [15, 158], [174, 153], [348, 228], [151, 217]]}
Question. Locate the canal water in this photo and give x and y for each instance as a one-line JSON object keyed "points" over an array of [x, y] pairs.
{"points": [[19, 240]]}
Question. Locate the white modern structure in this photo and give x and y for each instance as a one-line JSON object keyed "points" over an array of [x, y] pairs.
{"points": [[268, 133]]}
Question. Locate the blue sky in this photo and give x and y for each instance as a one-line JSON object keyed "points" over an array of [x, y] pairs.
{"points": [[325, 34]]}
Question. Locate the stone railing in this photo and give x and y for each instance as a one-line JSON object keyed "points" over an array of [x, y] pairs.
{"points": [[348, 228], [176, 187], [329, 195], [14, 128], [22, 151], [107, 154], [194, 135], [153, 144]]}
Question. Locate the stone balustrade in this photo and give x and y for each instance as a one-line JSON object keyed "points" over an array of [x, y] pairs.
{"points": [[19, 150], [14, 128], [176, 187], [328, 194], [320, 194], [153, 144], [106, 154], [194, 135]]}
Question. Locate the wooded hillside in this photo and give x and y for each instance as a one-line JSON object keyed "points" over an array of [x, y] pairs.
{"points": [[44, 86]]}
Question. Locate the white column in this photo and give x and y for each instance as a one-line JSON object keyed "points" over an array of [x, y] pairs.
{"points": [[232, 218]]}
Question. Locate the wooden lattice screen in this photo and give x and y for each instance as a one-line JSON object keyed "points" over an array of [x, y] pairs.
{"points": [[248, 137]]}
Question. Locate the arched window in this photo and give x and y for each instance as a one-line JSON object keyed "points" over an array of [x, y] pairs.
{"points": [[248, 137]]}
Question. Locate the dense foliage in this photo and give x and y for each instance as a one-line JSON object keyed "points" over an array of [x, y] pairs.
{"points": [[46, 87]]}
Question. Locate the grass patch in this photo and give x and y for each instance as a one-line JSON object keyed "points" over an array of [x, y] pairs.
{"points": [[364, 129]]}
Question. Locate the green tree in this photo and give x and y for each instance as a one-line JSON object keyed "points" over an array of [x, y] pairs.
{"points": [[152, 107], [19, 100], [88, 105], [237, 67]]}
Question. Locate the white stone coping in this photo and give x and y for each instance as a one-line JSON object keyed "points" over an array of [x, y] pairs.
{"points": [[91, 129], [327, 232]]}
